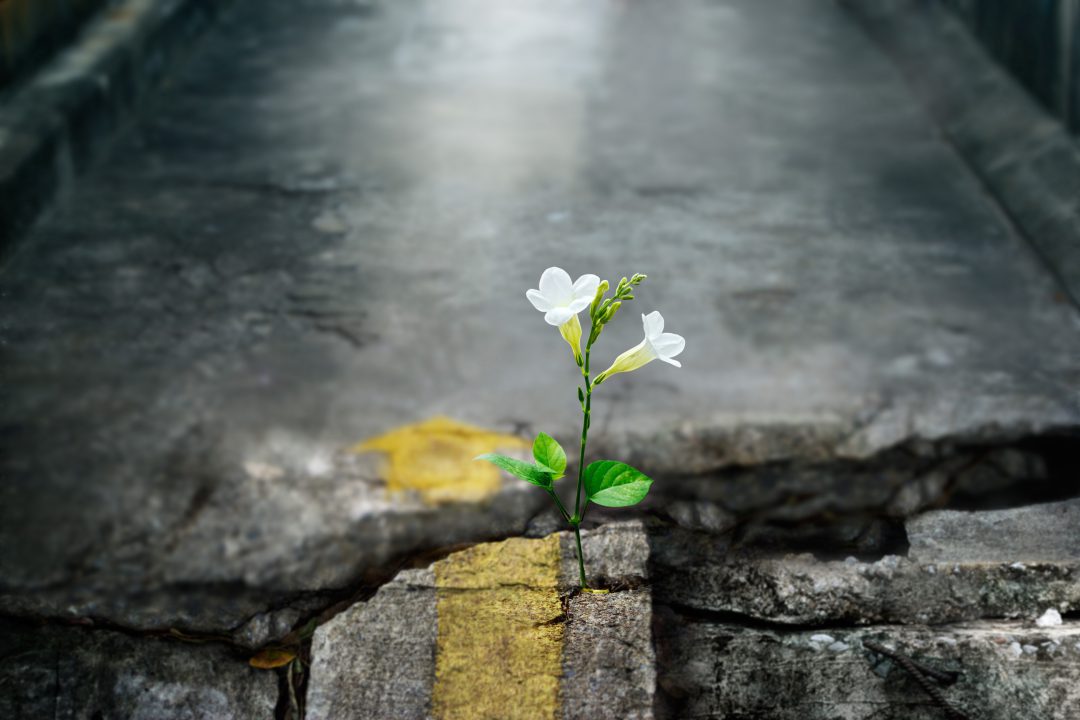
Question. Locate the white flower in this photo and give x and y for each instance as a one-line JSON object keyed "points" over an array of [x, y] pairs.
{"points": [[657, 344], [559, 299]]}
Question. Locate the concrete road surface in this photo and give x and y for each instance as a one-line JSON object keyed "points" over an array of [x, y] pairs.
{"points": [[322, 232]]}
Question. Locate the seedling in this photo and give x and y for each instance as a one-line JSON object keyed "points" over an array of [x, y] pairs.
{"points": [[605, 482]]}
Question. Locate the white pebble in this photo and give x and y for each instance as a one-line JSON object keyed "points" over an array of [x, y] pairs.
{"points": [[823, 639], [1050, 618]]}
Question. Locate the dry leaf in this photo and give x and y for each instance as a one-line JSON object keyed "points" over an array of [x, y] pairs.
{"points": [[272, 658]]}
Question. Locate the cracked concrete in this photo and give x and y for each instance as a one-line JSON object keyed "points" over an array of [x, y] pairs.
{"points": [[328, 236], [787, 644], [716, 670], [322, 233], [85, 674], [692, 627]]}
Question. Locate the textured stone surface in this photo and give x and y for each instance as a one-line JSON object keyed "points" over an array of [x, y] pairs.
{"points": [[335, 530], [698, 630], [80, 674], [1035, 533], [1009, 671], [700, 572], [494, 632], [324, 231], [609, 667], [377, 659], [616, 555]]}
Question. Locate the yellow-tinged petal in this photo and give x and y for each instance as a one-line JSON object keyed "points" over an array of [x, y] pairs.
{"points": [[637, 356], [571, 332]]}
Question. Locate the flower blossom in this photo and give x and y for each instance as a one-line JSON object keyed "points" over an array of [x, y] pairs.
{"points": [[561, 300], [657, 344]]}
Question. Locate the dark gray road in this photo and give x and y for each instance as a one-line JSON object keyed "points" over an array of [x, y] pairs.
{"points": [[324, 230]]}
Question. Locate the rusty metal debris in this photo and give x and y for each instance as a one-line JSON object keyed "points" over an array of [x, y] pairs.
{"points": [[923, 675]]}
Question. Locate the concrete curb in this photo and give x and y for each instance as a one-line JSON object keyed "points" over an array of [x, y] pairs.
{"points": [[1023, 155], [59, 121], [34, 31]]}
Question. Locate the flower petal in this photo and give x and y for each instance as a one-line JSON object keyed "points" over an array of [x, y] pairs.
{"points": [[557, 316], [585, 286], [637, 356], [668, 345], [578, 304], [654, 324], [571, 332], [555, 285], [669, 361], [538, 300]]}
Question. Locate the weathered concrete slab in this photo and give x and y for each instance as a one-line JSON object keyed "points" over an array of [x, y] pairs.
{"points": [[326, 237], [493, 632], [338, 528], [1035, 533], [81, 674], [699, 572], [377, 658], [1008, 671], [609, 666], [1023, 154]]}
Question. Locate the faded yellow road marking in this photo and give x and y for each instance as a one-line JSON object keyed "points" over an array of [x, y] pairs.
{"points": [[435, 459], [500, 638]]}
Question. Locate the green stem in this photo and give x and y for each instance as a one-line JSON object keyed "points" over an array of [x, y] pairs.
{"points": [[585, 422], [584, 434], [580, 557], [562, 509]]}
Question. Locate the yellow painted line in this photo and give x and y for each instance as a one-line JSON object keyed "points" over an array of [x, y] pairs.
{"points": [[499, 648], [435, 459]]}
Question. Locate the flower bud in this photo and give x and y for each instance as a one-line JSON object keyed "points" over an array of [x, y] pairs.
{"points": [[610, 312], [600, 290]]}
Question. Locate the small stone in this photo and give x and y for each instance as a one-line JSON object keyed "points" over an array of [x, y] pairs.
{"points": [[1050, 618], [823, 639], [838, 647]]}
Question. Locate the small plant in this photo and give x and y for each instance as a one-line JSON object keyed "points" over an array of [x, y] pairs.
{"points": [[605, 482]]}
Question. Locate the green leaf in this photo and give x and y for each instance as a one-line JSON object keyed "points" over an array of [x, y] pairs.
{"points": [[615, 484], [549, 455], [518, 468]]}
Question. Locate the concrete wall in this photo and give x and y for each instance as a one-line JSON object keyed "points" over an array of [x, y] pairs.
{"points": [[32, 30], [1038, 41]]}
